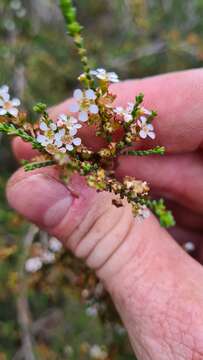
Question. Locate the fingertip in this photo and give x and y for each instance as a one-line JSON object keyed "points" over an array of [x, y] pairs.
{"points": [[21, 175]]}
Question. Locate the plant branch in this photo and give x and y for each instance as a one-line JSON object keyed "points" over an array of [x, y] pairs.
{"points": [[159, 150]]}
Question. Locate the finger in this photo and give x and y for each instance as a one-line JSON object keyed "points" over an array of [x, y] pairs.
{"points": [[185, 217], [23, 150], [177, 97], [152, 281], [177, 177]]}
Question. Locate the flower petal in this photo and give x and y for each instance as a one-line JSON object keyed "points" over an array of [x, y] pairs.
{"points": [[77, 141], [53, 126], [73, 131], [69, 147], [119, 110], [62, 132], [3, 112], [74, 108], [15, 102], [42, 139], [58, 143], [62, 150], [83, 116], [5, 96], [13, 112], [101, 71], [43, 126], [130, 107], [150, 127], [143, 120], [72, 120], [93, 109], [4, 89], [143, 134], [90, 94], [128, 117], [78, 94], [62, 117], [145, 111], [33, 264], [152, 135]]}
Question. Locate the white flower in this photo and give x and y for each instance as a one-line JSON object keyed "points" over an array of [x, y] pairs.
{"points": [[50, 136], [102, 74], [43, 140], [55, 245], [145, 111], [71, 123], [73, 142], [58, 138], [92, 311], [97, 353], [144, 212], [85, 104], [48, 257], [7, 106], [33, 264], [44, 127], [189, 246], [146, 129], [49, 133], [61, 138], [126, 113]]}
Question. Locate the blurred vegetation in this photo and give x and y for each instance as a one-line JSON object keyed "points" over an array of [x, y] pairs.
{"points": [[42, 316]]}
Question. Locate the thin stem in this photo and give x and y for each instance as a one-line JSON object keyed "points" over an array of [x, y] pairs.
{"points": [[38, 165], [24, 316], [10, 129], [159, 150], [74, 30]]}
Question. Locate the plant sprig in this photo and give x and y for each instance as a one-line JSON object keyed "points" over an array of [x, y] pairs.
{"points": [[119, 127]]}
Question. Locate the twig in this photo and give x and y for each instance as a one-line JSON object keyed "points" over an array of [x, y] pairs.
{"points": [[24, 318]]}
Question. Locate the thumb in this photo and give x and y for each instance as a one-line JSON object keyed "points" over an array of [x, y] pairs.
{"points": [[84, 220], [154, 284]]}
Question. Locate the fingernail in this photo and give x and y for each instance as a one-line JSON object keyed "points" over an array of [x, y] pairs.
{"points": [[42, 199]]}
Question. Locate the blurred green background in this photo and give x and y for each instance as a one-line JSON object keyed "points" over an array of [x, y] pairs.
{"points": [[42, 315]]}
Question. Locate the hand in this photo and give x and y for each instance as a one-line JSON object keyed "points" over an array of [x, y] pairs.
{"points": [[157, 288]]}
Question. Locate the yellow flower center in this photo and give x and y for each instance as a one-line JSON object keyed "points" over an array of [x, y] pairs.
{"points": [[7, 105]]}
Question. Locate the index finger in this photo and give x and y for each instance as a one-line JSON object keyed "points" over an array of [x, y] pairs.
{"points": [[177, 97]]}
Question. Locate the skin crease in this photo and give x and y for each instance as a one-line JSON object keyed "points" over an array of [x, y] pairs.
{"points": [[156, 287]]}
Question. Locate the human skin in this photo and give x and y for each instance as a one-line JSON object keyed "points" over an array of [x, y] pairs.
{"points": [[156, 286]]}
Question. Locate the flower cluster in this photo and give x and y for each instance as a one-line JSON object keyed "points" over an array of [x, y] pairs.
{"points": [[59, 141], [98, 353], [59, 136], [102, 74], [8, 106], [43, 256], [143, 126]]}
